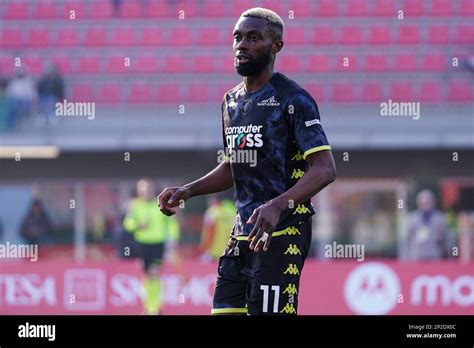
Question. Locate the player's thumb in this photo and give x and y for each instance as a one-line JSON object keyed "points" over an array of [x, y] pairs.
{"points": [[252, 218], [174, 198]]}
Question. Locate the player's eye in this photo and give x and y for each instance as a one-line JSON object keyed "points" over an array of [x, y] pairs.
{"points": [[254, 38], [237, 37]]}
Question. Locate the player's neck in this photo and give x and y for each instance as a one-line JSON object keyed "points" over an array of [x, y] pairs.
{"points": [[254, 83]]}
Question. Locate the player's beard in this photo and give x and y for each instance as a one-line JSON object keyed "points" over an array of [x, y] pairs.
{"points": [[255, 65]]}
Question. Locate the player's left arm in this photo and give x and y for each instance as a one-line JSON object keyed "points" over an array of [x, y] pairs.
{"points": [[321, 172]]}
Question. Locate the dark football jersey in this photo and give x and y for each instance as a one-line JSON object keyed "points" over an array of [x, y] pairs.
{"points": [[267, 135]]}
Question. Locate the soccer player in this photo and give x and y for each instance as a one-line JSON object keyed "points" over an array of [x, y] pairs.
{"points": [[273, 116]]}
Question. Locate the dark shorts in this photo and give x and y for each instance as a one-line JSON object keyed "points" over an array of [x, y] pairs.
{"points": [[151, 254], [262, 282]]}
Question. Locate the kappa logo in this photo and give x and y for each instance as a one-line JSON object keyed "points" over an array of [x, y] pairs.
{"points": [[297, 173], [297, 157], [268, 102], [312, 122], [291, 289], [292, 250], [301, 209], [292, 269], [289, 309]]}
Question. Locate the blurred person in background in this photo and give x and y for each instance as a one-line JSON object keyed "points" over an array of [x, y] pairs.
{"points": [[154, 232], [218, 220], [36, 225], [4, 104], [23, 95], [50, 91], [429, 237]]}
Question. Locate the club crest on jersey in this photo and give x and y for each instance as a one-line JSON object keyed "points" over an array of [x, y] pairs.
{"points": [[268, 102]]}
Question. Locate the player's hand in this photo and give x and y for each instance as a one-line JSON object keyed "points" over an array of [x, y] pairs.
{"points": [[171, 197], [265, 219]]}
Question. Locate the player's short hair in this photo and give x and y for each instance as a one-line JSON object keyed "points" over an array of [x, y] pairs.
{"points": [[274, 20]]}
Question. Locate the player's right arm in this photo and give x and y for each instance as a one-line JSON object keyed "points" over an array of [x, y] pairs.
{"points": [[217, 180]]}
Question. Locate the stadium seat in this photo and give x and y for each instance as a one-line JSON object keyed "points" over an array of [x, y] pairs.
{"points": [[466, 8], [460, 91], [210, 36], [203, 63], [464, 34], [409, 35], [67, 37], [168, 93], [351, 35], [116, 64], [295, 35], [380, 35], [356, 8], [180, 36], [343, 92], [83, 92], [46, 10], [145, 64], [214, 8], [289, 63], [34, 64], [89, 64], [7, 65], [123, 36], [239, 6], [327, 8], [441, 7], [152, 37], [75, 5], [351, 65], [402, 91], [175, 64], [434, 62], [140, 93], [17, 10], [224, 64], [323, 35], [438, 34], [376, 62], [318, 63], [317, 91], [301, 8], [101, 9], [372, 92], [110, 93], [274, 5], [430, 91], [95, 37], [38, 37], [158, 9], [189, 8], [11, 38], [131, 9], [64, 63], [413, 8], [197, 93], [405, 62], [385, 8]]}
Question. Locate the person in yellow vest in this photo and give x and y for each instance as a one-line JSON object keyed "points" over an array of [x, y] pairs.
{"points": [[218, 221], [154, 232]]}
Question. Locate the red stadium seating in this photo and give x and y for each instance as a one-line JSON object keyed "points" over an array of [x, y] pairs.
{"points": [[413, 8], [197, 93], [441, 7], [168, 93], [89, 64], [180, 36], [224, 64], [38, 37], [402, 91], [466, 8], [110, 93], [7, 65], [64, 63], [460, 91], [274, 5], [430, 91], [203, 63], [152, 37], [372, 92], [327, 8], [96, 37], [140, 92], [11, 38], [380, 35], [376, 62], [385, 8], [67, 37], [33, 64], [295, 35], [323, 35], [175, 64], [317, 91], [318, 62], [409, 34], [17, 10], [131, 9], [356, 8], [289, 62], [438, 34], [239, 6], [124, 36], [210, 36], [351, 35], [301, 8], [46, 10], [343, 92], [145, 64], [434, 62], [77, 6], [405, 62], [464, 34], [116, 64], [101, 9], [83, 92], [158, 9], [214, 8], [189, 8], [352, 63]]}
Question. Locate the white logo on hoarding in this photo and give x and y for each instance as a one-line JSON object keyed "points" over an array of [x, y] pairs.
{"points": [[84, 289], [372, 288]]}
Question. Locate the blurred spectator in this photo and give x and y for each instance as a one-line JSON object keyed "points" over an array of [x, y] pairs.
{"points": [[218, 221], [154, 232], [22, 92], [116, 7], [36, 225], [50, 91], [4, 104], [429, 237]]}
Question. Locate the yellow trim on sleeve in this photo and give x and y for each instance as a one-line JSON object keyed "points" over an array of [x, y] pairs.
{"points": [[316, 149], [228, 310]]}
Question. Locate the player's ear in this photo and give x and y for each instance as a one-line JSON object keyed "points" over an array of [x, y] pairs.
{"points": [[277, 46]]}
